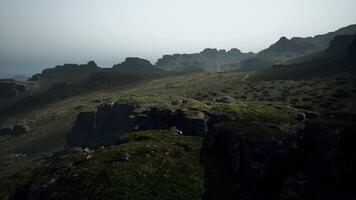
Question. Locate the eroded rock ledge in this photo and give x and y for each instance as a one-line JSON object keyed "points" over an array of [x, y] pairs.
{"points": [[105, 125]]}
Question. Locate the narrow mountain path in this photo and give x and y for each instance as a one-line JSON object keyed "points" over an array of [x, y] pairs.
{"points": [[247, 76]]}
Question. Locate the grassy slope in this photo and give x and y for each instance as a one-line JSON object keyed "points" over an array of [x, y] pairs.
{"points": [[51, 122], [148, 165]]}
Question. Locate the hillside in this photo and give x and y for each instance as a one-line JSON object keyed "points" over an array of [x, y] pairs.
{"points": [[149, 100], [285, 49], [136, 131], [184, 141], [68, 80], [338, 58]]}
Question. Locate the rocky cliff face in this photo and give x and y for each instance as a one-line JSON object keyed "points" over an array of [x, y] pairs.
{"points": [[105, 125], [315, 163]]}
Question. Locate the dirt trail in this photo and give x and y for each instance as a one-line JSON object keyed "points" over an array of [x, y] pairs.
{"points": [[247, 76]]}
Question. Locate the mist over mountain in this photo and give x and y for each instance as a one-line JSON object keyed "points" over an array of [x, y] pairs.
{"points": [[47, 33]]}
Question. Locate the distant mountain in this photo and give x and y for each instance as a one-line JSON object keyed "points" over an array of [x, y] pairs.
{"points": [[74, 73], [207, 60], [134, 65], [338, 58], [287, 51]]}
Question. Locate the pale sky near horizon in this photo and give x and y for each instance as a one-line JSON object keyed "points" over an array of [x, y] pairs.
{"points": [[38, 34]]}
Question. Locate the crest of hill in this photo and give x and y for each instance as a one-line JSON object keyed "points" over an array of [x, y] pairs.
{"points": [[134, 65], [338, 58], [66, 72], [207, 60], [72, 73], [285, 50]]}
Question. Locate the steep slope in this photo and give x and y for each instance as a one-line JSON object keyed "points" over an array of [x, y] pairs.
{"points": [[338, 58], [207, 60], [68, 80], [285, 49]]}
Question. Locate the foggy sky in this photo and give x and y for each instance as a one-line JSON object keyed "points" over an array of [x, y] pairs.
{"points": [[37, 34]]}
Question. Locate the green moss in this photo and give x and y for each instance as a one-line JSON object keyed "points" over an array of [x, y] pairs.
{"points": [[148, 165], [258, 112]]}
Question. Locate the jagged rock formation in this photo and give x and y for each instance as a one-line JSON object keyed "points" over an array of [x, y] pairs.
{"points": [[134, 65], [207, 60], [66, 73]]}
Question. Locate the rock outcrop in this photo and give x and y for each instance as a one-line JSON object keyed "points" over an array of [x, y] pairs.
{"points": [[105, 125], [12, 88], [66, 72], [16, 130], [316, 163], [207, 60], [134, 65]]}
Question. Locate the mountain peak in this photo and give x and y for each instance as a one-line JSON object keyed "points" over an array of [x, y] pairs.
{"points": [[283, 38]]}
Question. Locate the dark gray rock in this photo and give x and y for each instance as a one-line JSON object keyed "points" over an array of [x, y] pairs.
{"points": [[20, 129], [5, 131], [252, 160], [191, 122]]}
